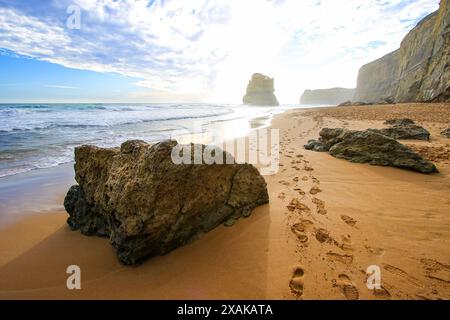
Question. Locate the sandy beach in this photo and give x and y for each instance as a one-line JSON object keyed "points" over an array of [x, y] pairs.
{"points": [[328, 220]]}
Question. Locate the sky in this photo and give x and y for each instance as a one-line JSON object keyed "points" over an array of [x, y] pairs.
{"points": [[191, 51]]}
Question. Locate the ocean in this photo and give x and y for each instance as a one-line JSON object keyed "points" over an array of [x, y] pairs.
{"points": [[36, 136]]}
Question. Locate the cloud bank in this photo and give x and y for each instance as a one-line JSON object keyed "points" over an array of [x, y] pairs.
{"points": [[207, 50]]}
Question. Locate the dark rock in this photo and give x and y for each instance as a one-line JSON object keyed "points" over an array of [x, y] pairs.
{"points": [[361, 103], [260, 91], [446, 132], [328, 138], [345, 104], [399, 122], [405, 132], [374, 148], [148, 205]]}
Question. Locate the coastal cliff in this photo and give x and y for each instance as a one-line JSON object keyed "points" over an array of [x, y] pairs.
{"points": [[418, 71], [327, 96], [260, 91]]}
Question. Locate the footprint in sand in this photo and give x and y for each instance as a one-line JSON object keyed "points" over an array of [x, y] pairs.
{"points": [[346, 244], [295, 204], [342, 258], [299, 231], [296, 283], [348, 220], [375, 251], [300, 228], [399, 272], [295, 179], [305, 178], [315, 190], [322, 235], [284, 183], [282, 196], [436, 270], [347, 287], [381, 293], [320, 205], [300, 191]]}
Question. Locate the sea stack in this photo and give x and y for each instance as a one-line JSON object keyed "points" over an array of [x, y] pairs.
{"points": [[260, 91]]}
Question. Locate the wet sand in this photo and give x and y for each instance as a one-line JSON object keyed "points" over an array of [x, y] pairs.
{"points": [[327, 221]]}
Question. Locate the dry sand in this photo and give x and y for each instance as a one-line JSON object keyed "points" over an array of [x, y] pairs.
{"points": [[328, 220]]}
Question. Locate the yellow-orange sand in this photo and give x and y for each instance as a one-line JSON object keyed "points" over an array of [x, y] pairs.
{"points": [[328, 220]]}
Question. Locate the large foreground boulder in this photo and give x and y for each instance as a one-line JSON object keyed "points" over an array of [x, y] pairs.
{"points": [[369, 147], [148, 205], [260, 91]]}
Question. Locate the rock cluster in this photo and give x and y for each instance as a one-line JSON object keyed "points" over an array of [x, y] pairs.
{"points": [[148, 205], [260, 91], [350, 103], [369, 147]]}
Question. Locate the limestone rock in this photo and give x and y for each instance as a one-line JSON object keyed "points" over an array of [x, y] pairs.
{"points": [[333, 96], [260, 91], [370, 147], [148, 205], [418, 71]]}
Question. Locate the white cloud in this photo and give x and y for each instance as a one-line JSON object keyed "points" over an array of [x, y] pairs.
{"points": [[209, 49]]}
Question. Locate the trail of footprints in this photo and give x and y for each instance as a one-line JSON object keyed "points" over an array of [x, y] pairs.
{"points": [[304, 228]]}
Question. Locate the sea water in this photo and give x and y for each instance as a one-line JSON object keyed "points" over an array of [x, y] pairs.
{"points": [[34, 136]]}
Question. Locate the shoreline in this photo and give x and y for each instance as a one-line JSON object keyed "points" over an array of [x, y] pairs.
{"points": [[399, 223]]}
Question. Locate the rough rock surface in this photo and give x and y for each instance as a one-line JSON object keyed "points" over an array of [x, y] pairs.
{"points": [[418, 71], [328, 138], [260, 91], [404, 129], [405, 132], [399, 122], [148, 205], [369, 147], [331, 96], [446, 132]]}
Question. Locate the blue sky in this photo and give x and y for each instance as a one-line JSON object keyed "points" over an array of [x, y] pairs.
{"points": [[197, 50]]}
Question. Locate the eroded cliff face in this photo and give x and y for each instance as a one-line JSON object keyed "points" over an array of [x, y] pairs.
{"points": [[260, 91], [418, 71], [327, 96]]}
